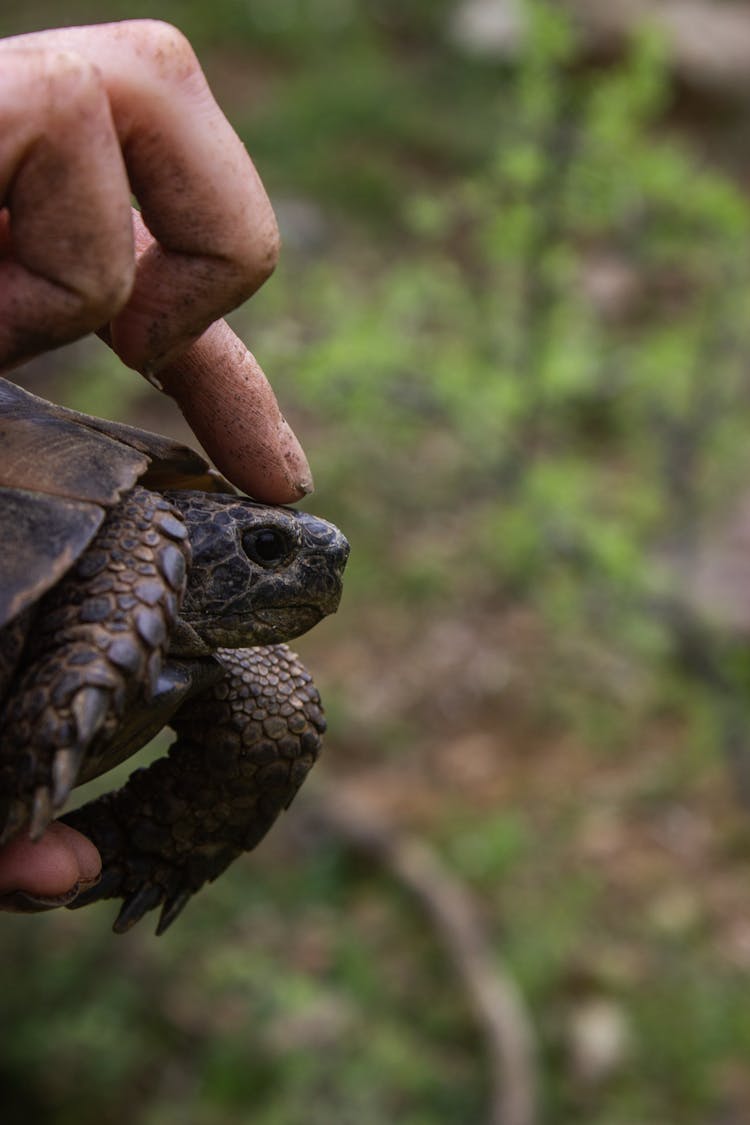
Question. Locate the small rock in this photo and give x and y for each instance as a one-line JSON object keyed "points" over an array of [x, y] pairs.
{"points": [[599, 1039], [488, 27]]}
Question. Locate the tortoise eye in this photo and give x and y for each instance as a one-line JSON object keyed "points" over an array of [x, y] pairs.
{"points": [[266, 546]]}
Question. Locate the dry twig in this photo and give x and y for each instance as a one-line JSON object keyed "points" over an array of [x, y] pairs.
{"points": [[495, 999]]}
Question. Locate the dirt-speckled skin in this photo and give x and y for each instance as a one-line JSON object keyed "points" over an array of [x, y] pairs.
{"points": [[171, 612]]}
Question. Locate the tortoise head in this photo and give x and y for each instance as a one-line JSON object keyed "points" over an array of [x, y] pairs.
{"points": [[259, 574]]}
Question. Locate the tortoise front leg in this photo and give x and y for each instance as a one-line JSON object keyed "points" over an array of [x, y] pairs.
{"points": [[93, 643], [243, 748]]}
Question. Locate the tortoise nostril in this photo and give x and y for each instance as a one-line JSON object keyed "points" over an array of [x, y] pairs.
{"points": [[342, 554]]}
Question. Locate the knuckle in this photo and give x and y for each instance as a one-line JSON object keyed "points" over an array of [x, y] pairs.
{"points": [[46, 83], [101, 295], [163, 47], [69, 80], [270, 251], [258, 257]]}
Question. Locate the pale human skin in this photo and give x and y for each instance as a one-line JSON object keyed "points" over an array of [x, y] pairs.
{"points": [[89, 114]]}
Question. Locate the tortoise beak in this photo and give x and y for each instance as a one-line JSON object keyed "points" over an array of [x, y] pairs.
{"points": [[329, 553]]}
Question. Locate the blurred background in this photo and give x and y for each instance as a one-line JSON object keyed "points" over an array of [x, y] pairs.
{"points": [[511, 327]]}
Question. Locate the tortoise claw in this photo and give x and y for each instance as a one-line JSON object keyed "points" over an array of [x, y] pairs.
{"points": [[171, 909], [41, 812], [64, 774], [89, 706], [144, 899]]}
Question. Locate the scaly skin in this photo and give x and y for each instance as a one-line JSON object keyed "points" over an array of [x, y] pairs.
{"points": [[134, 637], [96, 643], [243, 749]]}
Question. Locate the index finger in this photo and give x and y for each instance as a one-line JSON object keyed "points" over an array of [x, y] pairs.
{"points": [[232, 409], [205, 240]]}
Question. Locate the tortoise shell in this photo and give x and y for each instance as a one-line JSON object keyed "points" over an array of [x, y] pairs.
{"points": [[60, 471]]}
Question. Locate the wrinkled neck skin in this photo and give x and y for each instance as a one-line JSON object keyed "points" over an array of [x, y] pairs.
{"points": [[259, 575]]}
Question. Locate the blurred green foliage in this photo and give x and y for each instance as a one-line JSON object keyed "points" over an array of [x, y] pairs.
{"points": [[512, 328], [521, 435]]}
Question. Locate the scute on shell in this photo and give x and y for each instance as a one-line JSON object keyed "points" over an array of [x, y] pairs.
{"points": [[59, 472]]}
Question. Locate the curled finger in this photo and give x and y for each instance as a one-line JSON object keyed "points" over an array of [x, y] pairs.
{"points": [[211, 234], [66, 246]]}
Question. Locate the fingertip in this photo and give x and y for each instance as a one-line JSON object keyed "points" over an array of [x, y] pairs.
{"points": [[230, 406], [298, 469]]}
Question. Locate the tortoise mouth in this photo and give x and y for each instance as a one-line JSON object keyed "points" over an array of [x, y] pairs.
{"points": [[291, 621], [262, 627]]}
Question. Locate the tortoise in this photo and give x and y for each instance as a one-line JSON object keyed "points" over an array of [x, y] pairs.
{"points": [[139, 589]]}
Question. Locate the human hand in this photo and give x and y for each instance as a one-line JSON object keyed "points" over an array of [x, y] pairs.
{"points": [[89, 114]]}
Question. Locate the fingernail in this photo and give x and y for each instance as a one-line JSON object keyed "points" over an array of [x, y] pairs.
{"points": [[297, 466], [148, 371], [21, 902]]}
